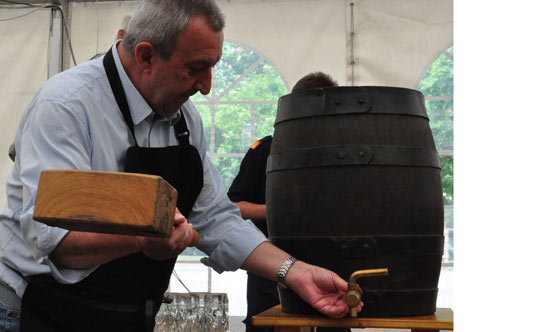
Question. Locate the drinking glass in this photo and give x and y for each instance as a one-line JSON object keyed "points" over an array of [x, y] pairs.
{"points": [[216, 312]]}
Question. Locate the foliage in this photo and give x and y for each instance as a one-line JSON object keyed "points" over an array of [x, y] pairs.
{"points": [[233, 128], [440, 113], [447, 179], [437, 86], [235, 60], [264, 120], [438, 82], [233, 92]]}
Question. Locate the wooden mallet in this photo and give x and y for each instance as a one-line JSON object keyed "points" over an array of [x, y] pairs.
{"points": [[107, 202]]}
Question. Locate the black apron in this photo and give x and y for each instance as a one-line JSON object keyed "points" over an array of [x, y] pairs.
{"points": [[125, 294]]}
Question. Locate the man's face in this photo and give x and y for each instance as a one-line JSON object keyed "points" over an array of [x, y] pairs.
{"points": [[172, 82]]}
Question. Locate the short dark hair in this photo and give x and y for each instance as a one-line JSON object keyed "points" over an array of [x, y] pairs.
{"points": [[315, 80]]}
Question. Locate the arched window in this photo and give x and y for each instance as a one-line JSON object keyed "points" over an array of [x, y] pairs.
{"points": [[437, 86], [241, 107]]}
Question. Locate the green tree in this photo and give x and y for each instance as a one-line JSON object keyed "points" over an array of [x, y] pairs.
{"points": [[241, 80], [437, 86]]}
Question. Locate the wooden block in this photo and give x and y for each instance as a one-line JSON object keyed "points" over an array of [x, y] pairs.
{"points": [[106, 202]]}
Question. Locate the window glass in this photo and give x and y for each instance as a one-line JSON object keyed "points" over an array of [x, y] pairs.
{"points": [[437, 86], [447, 179], [233, 128], [228, 168], [438, 79], [235, 61], [264, 119], [440, 113], [263, 83]]}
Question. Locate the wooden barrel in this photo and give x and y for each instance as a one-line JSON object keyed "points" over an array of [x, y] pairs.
{"points": [[353, 183]]}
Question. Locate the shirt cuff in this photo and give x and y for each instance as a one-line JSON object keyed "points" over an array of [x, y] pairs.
{"points": [[69, 276], [230, 254], [62, 275]]}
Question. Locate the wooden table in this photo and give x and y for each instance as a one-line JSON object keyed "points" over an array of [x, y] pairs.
{"points": [[283, 322]]}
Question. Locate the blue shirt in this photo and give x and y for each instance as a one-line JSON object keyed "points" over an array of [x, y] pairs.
{"points": [[73, 122]]}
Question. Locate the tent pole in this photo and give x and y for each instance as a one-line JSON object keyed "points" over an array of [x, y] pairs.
{"points": [[56, 42], [352, 35]]}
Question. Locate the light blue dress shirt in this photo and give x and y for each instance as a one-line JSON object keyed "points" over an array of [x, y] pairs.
{"points": [[73, 122]]}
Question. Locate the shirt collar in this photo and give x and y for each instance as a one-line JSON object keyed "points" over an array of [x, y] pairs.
{"points": [[139, 108]]}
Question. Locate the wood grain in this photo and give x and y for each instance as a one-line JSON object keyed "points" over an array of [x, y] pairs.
{"points": [[106, 202]]}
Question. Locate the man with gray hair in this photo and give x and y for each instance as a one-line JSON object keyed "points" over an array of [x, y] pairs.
{"points": [[129, 111]]}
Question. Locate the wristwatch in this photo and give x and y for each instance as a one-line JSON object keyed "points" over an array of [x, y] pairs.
{"points": [[284, 269]]}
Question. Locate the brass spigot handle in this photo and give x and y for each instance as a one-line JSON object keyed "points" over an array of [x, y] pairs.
{"points": [[354, 295], [367, 273]]}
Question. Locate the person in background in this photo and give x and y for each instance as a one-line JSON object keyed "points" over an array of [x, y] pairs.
{"points": [[123, 26], [129, 111], [120, 33], [248, 191]]}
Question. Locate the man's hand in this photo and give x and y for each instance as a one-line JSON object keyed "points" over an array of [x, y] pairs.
{"points": [[322, 289], [165, 248]]}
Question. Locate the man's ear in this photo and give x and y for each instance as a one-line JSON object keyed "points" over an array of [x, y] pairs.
{"points": [[144, 53]]}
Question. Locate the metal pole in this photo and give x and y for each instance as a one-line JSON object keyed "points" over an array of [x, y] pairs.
{"points": [[55, 43], [352, 62]]}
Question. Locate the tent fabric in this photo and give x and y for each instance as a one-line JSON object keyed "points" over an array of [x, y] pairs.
{"points": [[398, 40], [24, 68], [395, 41]]}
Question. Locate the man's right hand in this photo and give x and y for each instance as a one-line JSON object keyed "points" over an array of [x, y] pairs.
{"points": [[165, 248]]}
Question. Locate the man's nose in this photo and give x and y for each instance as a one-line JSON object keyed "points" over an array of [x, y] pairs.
{"points": [[204, 82]]}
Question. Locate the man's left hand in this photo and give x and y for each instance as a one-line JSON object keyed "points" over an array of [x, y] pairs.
{"points": [[322, 289]]}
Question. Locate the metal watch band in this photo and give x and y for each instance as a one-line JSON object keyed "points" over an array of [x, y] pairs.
{"points": [[284, 269]]}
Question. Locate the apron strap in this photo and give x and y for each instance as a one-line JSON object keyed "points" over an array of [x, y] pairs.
{"points": [[118, 90], [181, 131]]}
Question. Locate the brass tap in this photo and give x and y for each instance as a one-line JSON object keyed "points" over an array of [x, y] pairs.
{"points": [[354, 294]]}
